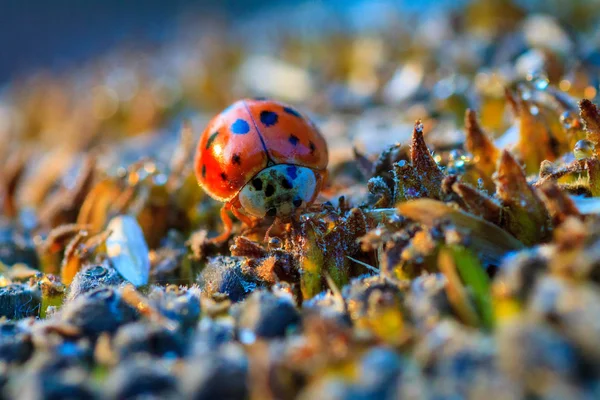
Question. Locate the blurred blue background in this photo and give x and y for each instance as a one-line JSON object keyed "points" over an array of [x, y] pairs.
{"points": [[56, 33], [53, 34]]}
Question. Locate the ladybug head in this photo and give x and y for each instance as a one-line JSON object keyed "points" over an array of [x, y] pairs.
{"points": [[279, 191]]}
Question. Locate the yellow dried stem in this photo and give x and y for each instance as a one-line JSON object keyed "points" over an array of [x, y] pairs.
{"points": [[591, 118], [311, 263], [72, 262]]}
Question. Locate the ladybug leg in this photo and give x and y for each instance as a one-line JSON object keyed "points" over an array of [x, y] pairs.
{"points": [[268, 232], [228, 226], [243, 217]]}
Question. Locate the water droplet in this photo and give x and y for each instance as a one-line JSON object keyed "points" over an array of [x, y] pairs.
{"points": [[150, 167], [454, 154], [480, 184], [569, 120], [160, 179], [247, 336], [274, 243], [401, 163], [541, 83], [583, 149], [395, 219], [534, 110]]}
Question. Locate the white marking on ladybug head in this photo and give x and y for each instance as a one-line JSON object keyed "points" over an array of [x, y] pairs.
{"points": [[278, 191]]}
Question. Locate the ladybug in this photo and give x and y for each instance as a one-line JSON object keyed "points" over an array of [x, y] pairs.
{"points": [[261, 158]]}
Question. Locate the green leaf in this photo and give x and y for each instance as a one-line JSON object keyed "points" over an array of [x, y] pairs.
{"points": [[476, 279]]}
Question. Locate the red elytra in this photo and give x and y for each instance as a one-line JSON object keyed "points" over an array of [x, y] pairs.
{"points": [[262, 158]]}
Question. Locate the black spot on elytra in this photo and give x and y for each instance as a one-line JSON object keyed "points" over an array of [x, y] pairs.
{"points": [[236, 159], [240, 127], [286, 184], [292, 172], [297, 202], [271, 212], [203, 171], [268, 118], [312, 147], [269, 190], [291, 111], [293, 140], [223, 176], [257, 184], [211, 139]]}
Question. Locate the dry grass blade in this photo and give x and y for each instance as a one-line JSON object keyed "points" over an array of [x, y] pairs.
{"points": [[593, 168], [559, 204], [63, 207], [532, 129], [97, 205], [485, 153], [135, 299], [181, 156], [478, 203], [365, 165], [526, 216], [486, 239], [550, 173], [364, 264], [428, 173], [10, 177]]}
